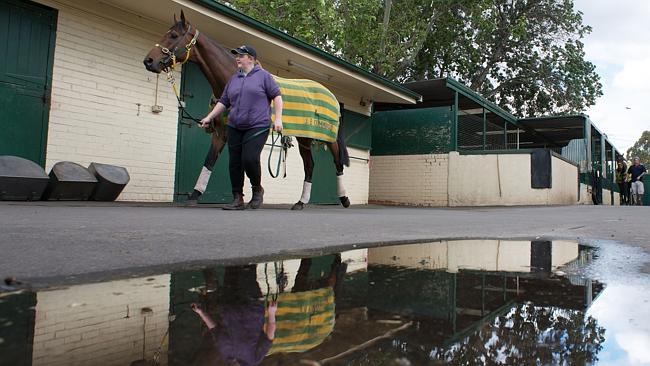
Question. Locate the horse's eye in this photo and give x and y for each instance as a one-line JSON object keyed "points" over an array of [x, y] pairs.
{"points": [[173, 35]]}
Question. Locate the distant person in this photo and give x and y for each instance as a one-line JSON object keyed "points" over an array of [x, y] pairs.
{"points": [[636, 173], [621, 180]]}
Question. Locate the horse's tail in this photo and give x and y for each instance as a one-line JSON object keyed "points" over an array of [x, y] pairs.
{"points": [[344, 157]]}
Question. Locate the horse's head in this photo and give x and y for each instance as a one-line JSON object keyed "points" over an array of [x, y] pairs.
{"points": [[174, 47]]}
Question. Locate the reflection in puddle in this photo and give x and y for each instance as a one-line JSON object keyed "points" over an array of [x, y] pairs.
{"points": [[457, 302]]}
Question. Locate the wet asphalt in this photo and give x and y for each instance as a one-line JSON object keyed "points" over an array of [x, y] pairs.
{"points": [[55, 242]]}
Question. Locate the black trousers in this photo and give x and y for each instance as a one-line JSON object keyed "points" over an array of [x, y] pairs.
{"points": [[245, 148]]}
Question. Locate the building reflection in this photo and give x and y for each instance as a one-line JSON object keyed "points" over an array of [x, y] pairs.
{"points": [[442, 302]]}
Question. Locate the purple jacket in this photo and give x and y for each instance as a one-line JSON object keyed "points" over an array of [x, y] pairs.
{"points": [[249, 99], [240, 334]]}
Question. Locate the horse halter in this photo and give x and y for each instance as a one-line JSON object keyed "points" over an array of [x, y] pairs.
{"points": [[171, 54]]}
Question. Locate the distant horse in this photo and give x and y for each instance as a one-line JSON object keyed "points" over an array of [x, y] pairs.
{"points": [[182, 42]]}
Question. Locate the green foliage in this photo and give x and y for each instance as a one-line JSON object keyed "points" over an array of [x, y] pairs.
{"points": [[527, 335], [641, 148], [525, 55]]}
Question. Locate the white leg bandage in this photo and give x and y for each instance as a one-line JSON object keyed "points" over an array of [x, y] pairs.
{"points": [[202, 182], [306, 192], [340, 189]]}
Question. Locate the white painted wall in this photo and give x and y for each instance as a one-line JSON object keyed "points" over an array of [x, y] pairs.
{"points": [[607, 198], [288, 190], [266, 272], [418, 180], [585, 195], [97, 81], [486, 255], [88, 324], [467, 180], [504, 179], [563, 252], [422, 256]]}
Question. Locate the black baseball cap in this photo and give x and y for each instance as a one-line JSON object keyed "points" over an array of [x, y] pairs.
{"points": [[244, 50]]}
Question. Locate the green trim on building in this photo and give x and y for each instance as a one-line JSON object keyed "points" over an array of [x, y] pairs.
{"points": [[454, 125], [265, 28], [469, 93]]}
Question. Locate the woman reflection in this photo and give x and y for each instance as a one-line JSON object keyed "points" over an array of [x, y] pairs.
{"points": [[239, 333]]}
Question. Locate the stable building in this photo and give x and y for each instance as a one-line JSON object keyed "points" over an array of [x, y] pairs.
{"points": [[456, 148], [74, 89], [579, 140]]}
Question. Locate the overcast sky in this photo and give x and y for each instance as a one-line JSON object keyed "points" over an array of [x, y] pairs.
{"points": [[619, 46]]}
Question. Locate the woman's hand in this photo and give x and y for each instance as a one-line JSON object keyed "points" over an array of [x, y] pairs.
{"points": [[277, 125], [216, 111], [205, 122], [196, 308]]}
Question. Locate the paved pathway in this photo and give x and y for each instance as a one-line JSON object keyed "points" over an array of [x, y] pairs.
{"points": [[49, 239]]}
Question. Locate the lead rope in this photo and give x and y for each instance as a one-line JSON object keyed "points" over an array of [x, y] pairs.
{"points": [[156, 355], [282, 157], [172, 79]]}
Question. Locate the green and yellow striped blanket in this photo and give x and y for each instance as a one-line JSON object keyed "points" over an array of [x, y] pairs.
{"points": [[303, 320], [309, 109]]}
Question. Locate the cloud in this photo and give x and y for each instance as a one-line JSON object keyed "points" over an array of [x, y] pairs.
{"points": [[637, 345], [634, 77], [618, 46], [622, 310]]}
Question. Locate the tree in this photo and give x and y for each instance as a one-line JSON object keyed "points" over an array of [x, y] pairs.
{"points": [[641, 148], [525, 55], [381, 36]]}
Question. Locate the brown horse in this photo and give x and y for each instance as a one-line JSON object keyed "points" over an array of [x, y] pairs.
{"points": [[183, 43]]}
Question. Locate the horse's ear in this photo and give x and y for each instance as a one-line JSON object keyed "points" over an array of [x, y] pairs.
{"points": [[175, 20], [183, 18]]}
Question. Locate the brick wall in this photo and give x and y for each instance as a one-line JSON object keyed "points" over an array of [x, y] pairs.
{"points": [[419, 180], [98, 81], [88, 324]]}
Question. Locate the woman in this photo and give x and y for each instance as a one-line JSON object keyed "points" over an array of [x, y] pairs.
{"points": [[247, 95], [241, 334]]}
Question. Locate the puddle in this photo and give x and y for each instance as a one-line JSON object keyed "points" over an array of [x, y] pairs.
{"points": [[451, 302]]}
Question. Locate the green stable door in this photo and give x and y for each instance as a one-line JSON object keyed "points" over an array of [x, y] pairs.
{"points": [[26, 54], [194, 143]]}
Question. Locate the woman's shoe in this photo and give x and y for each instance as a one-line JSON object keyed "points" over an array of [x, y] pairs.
{"points": [[237, 203], [257, 199]]}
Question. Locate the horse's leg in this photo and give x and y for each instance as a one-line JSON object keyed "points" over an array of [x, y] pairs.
{"points": [[216, 146], [340, 189], [304, 146]]}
